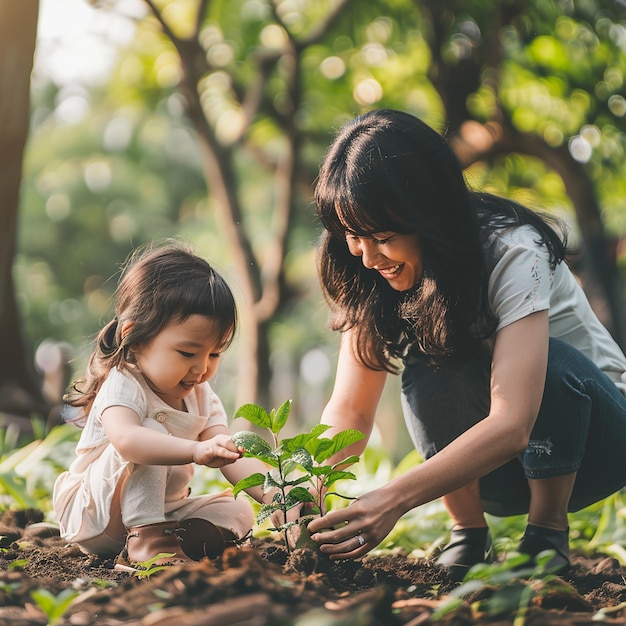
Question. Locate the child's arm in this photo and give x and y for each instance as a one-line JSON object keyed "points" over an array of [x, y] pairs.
{"points": [[243, 468], [145, 446]]}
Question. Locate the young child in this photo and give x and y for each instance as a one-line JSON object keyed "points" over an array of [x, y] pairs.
{"points": [[150, 415]]}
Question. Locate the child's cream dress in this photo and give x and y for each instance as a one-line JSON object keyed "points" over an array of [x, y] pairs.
{"points": [[83, 496]]}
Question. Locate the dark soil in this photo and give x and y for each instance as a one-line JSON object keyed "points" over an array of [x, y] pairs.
{"points": [[259, 584]]}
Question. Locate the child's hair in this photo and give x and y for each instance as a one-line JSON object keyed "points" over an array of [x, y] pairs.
{"points": [[160, 282]]}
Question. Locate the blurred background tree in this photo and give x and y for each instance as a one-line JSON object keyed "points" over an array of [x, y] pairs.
{"points": [[216, 115], [19, 390]]}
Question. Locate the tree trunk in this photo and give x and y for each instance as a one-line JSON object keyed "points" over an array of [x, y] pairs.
{"points": [[264, 288], [20, 391]]}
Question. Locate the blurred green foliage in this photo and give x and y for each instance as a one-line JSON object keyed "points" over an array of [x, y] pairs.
{"points": [[114, 165]]}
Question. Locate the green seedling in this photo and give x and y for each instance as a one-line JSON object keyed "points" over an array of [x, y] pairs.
{"points": [[299, 472], [513, 584], [54, 607], [9, 588], [18, 564], [25, 472], [147, 568], [101, 583]]}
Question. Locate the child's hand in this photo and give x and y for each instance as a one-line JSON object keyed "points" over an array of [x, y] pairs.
{"points": [[216, 452]]}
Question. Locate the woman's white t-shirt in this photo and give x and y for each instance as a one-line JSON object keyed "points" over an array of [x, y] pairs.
{"points": [[522, 281]]}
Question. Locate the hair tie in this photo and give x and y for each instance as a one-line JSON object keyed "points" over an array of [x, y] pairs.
{"points": [[126, 328]]}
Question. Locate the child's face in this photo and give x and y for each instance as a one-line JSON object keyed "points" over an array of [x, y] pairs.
{"points": [[181, 356]]}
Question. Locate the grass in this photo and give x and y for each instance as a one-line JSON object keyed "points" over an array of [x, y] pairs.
{"points": [[27, 473]]}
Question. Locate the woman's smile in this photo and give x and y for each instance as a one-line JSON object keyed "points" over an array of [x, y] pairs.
{"points": [[396, 257], [389, 272]]}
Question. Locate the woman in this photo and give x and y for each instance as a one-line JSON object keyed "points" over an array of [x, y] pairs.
{"points": [[512, 390]]}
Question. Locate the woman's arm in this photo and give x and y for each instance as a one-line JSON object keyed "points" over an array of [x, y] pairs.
{"points": [[517, 379], [518, 375], [355, 396]]}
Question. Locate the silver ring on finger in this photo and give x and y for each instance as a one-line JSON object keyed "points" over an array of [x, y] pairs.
{"points": [[361, 540]]}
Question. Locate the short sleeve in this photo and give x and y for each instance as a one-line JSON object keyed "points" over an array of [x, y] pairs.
{"points": [[209, 404], [520, 281], [118, 389]]}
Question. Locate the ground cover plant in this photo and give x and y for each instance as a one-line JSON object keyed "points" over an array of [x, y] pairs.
{"points": [[43, 581]]}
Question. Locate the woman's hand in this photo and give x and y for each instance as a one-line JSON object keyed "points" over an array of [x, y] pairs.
{"points": [[216, 451], [358, 528]]}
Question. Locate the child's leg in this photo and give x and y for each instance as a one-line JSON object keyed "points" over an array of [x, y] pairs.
{"points": [[149, 531], [115, 527], [143, 497], [143, 501], [234, 516], [149, 487], [212, 522]]}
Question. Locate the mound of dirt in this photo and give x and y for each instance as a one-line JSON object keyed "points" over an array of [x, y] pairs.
{"points": [[260, 584]]}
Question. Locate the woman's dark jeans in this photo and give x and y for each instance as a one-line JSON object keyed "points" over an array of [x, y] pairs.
{"points": [[581, 426]]}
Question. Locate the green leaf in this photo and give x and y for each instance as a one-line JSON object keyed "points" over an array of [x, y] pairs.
{"points": [[277, 499], [269, 482], [297, 495], [54, 606], [318, 447], [279, 418], [299, 480], [288, 464], [15, 486], [319, 429], [301, 440], [285, 526], [348, 461], [255, 414], [266, 511], [336, 475], [303, 458], [45, 600], [321, 470], [252, 443], [340, 441], [251, 481]]}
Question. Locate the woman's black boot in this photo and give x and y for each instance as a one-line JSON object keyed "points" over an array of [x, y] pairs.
{"points": [[537, 539], [467, 547]]}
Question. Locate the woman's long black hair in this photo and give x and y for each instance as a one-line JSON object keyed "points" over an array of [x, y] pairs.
{"points": [[389, 171]]}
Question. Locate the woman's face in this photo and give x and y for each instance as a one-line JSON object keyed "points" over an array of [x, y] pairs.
{"points": [[397, 258]]}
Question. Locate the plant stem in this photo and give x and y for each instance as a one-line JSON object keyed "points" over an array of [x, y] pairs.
{"points": [[321, 502], [283, 501]]}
